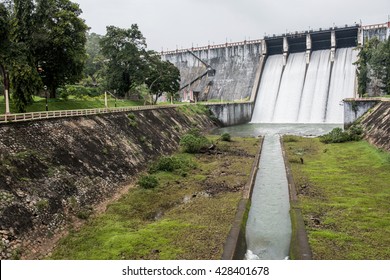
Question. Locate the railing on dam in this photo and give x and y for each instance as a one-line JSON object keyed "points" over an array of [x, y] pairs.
{"points": [[210, 47], [9, 118]]}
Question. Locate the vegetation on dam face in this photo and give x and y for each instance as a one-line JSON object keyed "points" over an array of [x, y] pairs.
{"points": [[343, 190], [187, 216]]}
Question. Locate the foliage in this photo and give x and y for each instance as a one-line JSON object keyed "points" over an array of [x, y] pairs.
{"points": [[148, 182], [41, 43], [162, 76], [226, 137], [78, 91], [374, 62], [337, 135], [25, 82], [94, 64], [124, 50], [59, 42], [193, 142], [171, 164]]}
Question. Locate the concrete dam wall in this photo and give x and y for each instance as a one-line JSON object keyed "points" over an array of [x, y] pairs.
{"points": [[292, 78], [54, 170], [225, 72]]}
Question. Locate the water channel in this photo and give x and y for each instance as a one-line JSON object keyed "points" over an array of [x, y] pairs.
{"points": [[268, 229]]}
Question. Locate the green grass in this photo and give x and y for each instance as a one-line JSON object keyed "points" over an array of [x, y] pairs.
{"points": [[344, 193], [70, 104], [184, 217]]}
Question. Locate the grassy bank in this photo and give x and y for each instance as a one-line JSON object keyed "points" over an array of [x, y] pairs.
{"points": [[70, 104], [344, 193], [187, 216]]}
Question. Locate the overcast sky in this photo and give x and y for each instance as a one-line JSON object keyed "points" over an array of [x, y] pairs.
{"points": [[168, 24]]}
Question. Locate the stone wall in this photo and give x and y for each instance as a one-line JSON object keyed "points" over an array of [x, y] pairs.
{"points": [[376, 126], [54, 170]]}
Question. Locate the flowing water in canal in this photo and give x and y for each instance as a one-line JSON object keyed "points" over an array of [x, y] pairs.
{"points": [[268, 229]]}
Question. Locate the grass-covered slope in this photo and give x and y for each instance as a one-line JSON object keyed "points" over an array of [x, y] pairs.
{"points": [[344, 193]]}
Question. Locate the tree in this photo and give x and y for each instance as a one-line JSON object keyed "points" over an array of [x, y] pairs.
{"points": [[19, 59], [380, 63], [41, 40], [124, 50], [374, 64], [59, 42], [4, 45], [95, 60], [162, 76]]}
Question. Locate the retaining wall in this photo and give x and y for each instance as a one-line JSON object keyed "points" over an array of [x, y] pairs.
{"points": [[232, 113], [54, 170]]}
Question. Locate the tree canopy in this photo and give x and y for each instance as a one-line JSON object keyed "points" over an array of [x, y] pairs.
{"points": [[42, 43]]}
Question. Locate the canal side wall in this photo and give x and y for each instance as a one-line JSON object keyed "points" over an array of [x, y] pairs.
{"points": [[355, 108], [232, 113], [235, 246], [299, 245]]}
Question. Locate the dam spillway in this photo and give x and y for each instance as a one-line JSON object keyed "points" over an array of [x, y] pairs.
{"points": [[301, 92]]}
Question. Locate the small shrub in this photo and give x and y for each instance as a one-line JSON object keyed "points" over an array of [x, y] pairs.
{"points": [[83, 214], [355, 133], [148, 182], [193, 144], [42, 205], [171, 164], [131, 116], [337, 135], [226, 137], [290, 138]]}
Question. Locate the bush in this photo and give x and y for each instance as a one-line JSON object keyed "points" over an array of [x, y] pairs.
{"points": [[226, 137], [193, 144], [172, 163], [337, 135], [355, 132], [148, 182]]}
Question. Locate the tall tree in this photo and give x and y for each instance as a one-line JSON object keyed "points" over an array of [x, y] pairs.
{"points": [[125, 51], [24, 78], [4, 45], [162, 76], [95, 60], [59, 45]]}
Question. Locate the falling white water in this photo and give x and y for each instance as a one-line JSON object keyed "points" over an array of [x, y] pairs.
{"points": [[342, 83], [265, 103], [300, 93], [314, 96], [288, 99]]}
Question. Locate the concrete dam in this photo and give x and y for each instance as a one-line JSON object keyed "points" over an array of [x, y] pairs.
{"points": [[292, 78]]}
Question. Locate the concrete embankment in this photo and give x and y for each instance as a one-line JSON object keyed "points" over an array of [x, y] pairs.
{"points": [[376, 124], [235, 246], [299, 245], [53, 170]]}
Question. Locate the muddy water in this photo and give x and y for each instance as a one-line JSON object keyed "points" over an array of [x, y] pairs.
{"points": [[268, 229]]}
